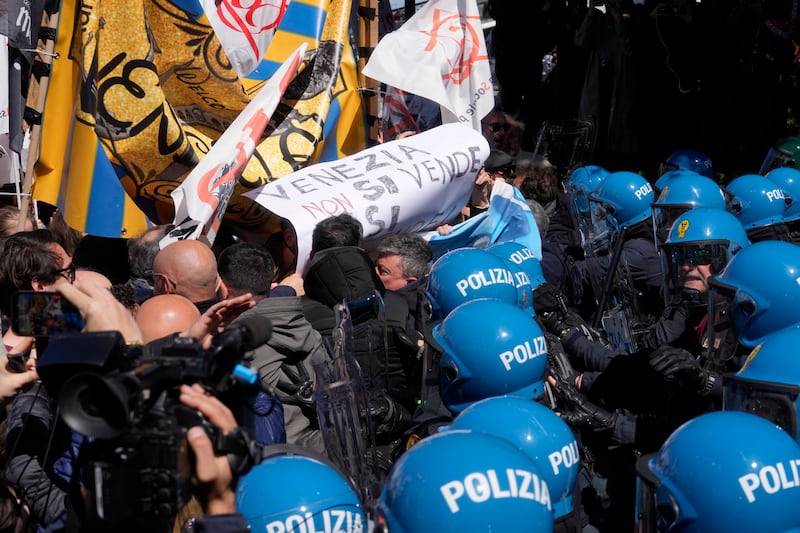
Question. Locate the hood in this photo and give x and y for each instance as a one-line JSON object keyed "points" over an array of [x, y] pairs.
{"points": [[342, 273]]}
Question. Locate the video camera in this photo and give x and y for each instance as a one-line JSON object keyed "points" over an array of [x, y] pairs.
{"points": [[135, 472]]}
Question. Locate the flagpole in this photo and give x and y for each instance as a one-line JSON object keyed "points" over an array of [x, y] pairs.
{"points": [[367, 40], [37, 91]]}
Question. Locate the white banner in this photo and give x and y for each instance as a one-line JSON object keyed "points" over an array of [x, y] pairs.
{"points": [[202, 198], [244, 29], [410, 185], [439, 53], [4, 103]]}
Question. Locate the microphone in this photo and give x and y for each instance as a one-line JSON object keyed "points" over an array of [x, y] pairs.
{"points": [[227, 347]]}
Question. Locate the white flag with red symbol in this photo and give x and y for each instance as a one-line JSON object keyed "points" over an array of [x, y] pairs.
{"points": [[201, 200], [244, 28], [439, 53]]}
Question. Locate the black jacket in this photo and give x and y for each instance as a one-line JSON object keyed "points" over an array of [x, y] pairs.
{"points": [[345, 274]]}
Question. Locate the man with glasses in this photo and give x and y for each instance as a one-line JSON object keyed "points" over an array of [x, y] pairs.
{"points": [[495, 127], [638, 399], [34, 261]]}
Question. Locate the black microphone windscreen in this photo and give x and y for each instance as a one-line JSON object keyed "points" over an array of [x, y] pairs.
{"points": [[256, 330]]}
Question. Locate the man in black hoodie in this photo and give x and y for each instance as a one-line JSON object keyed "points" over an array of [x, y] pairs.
{"points": [[340, 271]]}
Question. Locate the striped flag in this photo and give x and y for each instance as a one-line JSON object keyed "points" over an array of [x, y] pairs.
{"points": [[73, 171], [202, 198]]}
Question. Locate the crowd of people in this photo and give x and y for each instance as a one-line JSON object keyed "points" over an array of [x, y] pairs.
{"points": [[633, 374]]}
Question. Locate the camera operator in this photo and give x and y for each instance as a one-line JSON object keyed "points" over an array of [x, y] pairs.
{"points": [[42, 451]]}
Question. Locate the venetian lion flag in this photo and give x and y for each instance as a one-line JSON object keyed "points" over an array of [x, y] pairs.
{"points": [[142, 90], [202, 198], [439, 53]]}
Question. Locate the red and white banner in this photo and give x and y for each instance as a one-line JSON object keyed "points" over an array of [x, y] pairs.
{"points": [[202, 198], [439, 53], [244, 28]]}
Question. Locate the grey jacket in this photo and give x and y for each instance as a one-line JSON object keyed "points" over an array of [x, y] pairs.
{"points": [[292, 343]]}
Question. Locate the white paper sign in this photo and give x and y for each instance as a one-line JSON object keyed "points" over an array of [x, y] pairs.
{"points": [[410, 185]]}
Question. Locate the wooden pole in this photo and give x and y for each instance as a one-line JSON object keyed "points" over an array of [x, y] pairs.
{"points": [[367, 40], [37, 91]]}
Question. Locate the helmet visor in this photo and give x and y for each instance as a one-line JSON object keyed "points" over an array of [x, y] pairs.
{"points": [[688, 267], [665, 167], [656, 509], [597, 239], [773, 401], [777, 158], [663, 219], [723, 341]]}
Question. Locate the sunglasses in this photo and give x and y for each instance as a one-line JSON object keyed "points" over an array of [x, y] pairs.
{"points": [[496, 126], [68, 273], [695, 257]]}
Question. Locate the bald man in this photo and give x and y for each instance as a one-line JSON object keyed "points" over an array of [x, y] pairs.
{"points": [[165, 314], [188, 268]]}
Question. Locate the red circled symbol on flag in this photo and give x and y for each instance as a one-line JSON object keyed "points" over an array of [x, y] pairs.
{"points": [[251, 18], [464, 32]]}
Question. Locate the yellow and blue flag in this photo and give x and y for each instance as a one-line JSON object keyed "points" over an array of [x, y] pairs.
{"points": [[142, 90]]}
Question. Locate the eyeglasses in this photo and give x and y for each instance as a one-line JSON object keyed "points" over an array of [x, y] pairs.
{"points": [[68, 273], [155, 275], [496, 126]]}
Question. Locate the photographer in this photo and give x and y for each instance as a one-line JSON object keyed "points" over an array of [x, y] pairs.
{"points": [[41, 450]]}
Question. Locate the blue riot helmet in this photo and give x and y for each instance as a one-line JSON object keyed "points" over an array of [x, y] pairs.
{"points": [[788, 180], [664, 179], [768, 384], [293, 493], [523, 283], [536, 430], [688, 159], [722, 471], [757, 202], [489, 348], [579, 184], [459, 481], [526, 268], [758, 292], [681, 194], [622, 200], [523, 257], [467, 274], [700, 243]]}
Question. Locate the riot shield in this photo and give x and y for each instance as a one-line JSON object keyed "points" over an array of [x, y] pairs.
{"points": [[566, 144], [620, 311], [342, 400]]}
